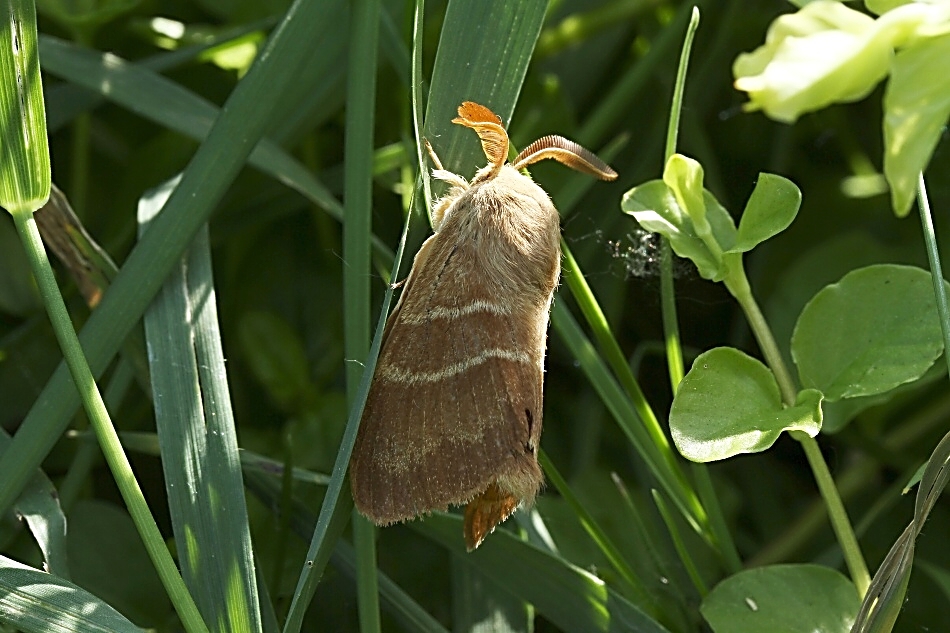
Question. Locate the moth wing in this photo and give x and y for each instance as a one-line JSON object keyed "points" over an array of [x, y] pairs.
{"points": [[455, 405]]}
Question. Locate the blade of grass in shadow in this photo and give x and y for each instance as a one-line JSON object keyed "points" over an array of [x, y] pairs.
{"points": [[167, 103], [39, 507], [681, 550], [395, 601], [197, 436], [570, 598], [597, 534], [477, 602], [216, 163], [64, 102], [624, 412], [358, 183]]}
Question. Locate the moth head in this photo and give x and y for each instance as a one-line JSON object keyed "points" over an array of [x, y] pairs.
{"points": [[494, 140]]}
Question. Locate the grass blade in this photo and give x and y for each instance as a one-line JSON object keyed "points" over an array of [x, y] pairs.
{"points": [[197, 436]]}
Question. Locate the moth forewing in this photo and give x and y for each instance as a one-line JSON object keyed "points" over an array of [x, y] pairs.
{"points": [[454, 412]]}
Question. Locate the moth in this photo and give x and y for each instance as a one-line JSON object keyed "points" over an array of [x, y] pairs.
{"points": [[453, 415]]}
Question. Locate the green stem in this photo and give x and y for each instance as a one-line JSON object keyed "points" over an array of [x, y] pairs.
{"points": [[674, 349], [836, 513], [933, 255], [357, 228], [102, 424], [738, 285]]}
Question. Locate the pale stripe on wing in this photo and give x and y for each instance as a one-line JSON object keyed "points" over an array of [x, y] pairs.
{"points": [[443, 312], [392, 373]]}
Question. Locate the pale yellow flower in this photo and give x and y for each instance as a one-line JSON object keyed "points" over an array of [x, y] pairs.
{"points": [[823, 54]]}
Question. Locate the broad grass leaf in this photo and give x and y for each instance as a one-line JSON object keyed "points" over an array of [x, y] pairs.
{"points": [[729, 403], [875, 329], [38, 602], [24, 148], [782, 599]]}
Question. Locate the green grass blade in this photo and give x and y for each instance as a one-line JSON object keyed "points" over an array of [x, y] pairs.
{"points": [[217, 162], [395, 601], [24, 149], [597, 534], [162, 101], [483, 55], [197, 436], [360, 117]]}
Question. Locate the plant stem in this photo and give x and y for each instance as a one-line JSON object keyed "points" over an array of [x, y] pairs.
{"points": [[738, 285], [836, 513], [102, 424], [933, 255]]}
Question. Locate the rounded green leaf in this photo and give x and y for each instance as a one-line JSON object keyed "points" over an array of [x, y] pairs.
{"points": [[782, 599], [875, 329], [771, 208], [729, 403]]}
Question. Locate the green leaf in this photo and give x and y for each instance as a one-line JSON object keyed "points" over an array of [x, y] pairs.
{"points": [[36, 602], [782, 599], [729, 403], [24, 149], [678, 208], [38, 506], [653, 206], [711, 221], [916, 108], [771, 208], [875, 329]]}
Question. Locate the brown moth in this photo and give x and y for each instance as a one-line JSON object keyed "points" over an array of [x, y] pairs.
{"points": [[453, 415]]}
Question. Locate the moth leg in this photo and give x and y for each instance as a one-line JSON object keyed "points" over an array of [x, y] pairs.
{"points": [[432, 155]]}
